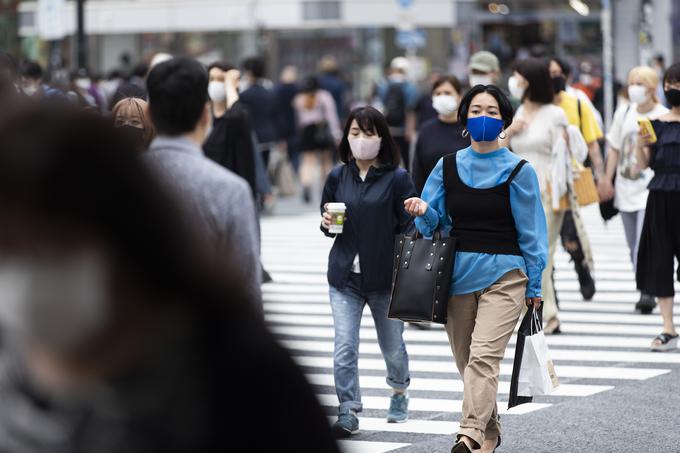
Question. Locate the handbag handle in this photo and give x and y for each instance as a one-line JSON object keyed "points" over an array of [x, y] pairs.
{"points": [[437, 235]]}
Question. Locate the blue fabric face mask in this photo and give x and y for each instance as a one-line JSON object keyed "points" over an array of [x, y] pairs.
{"points": [[484, 128]]}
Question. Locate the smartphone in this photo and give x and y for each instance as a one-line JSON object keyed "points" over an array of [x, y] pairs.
{"points": [[647, 129]]}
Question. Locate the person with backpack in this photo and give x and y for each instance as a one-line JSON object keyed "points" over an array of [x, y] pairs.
{"points": [[399, 97]]}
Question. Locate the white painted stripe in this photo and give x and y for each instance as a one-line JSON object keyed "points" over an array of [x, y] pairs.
{"points": [[456, 385], [430, 404], [566, 316], [439, 336], [362, 446], [411, 426], [579, 355], [448, 367], [571, 327]]}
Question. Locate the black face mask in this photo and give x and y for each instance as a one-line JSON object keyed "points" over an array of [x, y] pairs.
{"points": [[133, 136], [673, 97], [559, 84]]}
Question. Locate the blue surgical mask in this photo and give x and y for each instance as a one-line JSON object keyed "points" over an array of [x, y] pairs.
{"points": [[484, 128]]}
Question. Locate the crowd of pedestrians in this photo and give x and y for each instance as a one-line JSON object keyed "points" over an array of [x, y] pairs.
{"points": [[135, 201]]}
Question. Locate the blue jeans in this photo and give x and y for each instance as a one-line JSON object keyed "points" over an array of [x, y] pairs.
{"points": [[348, 305]]}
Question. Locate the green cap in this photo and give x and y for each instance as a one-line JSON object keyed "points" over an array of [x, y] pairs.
{"points": [[484, 61]]}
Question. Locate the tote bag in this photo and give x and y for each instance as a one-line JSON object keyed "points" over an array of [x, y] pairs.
{"points": [[537, 373], [421, 278]]}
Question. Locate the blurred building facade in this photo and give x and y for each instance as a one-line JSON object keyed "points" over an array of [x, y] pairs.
{"points": [[363, 34]]}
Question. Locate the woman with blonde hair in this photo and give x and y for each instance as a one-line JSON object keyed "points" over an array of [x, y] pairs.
{"points": [[630, 192], [130, 118]]}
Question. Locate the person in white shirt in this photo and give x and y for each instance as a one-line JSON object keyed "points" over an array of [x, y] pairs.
{"points": [[630, 192], [537, 127]]}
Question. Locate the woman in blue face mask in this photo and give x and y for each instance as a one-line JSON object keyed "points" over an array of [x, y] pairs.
{"points": [[490, 200]]}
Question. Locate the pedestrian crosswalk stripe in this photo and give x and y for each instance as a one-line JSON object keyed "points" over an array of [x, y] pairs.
{"points": [[456, 385], [440, 337], [584, 355], [430, 404], [361, 446], [647, 331], [310, 308], [412, 426], [448, 367]]}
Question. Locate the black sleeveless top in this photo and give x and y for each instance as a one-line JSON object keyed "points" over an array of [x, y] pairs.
{"points": [[482, 218]]}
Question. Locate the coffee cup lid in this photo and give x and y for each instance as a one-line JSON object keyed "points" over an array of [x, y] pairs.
{"points": [[336, 207]]}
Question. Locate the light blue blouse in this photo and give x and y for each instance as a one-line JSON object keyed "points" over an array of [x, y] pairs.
{"points": [[476, 271]]}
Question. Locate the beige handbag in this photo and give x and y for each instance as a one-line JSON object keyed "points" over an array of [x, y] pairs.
{"points": [[584, 187]]}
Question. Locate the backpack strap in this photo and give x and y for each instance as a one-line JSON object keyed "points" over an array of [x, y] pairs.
{"points": [[516, 171], [578, 107]]}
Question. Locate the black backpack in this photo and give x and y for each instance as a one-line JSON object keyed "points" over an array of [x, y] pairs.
{"points": [[395, 105]]}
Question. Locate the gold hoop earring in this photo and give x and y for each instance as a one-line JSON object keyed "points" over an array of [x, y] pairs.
{"points": [[502, 135], [465, 133]]}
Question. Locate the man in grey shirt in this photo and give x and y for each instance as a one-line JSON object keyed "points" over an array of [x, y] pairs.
{"points": [[217, 202]]}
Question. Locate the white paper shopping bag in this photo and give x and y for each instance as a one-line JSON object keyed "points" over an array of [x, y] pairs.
{"points": [[537, 373]]}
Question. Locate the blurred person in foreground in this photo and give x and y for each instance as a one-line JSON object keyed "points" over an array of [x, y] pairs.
{"points": [[130, 117], [217, 199], [631, 181], [120, 335]]}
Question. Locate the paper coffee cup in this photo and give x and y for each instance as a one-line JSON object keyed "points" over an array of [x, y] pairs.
{"points": [[337, 212]]}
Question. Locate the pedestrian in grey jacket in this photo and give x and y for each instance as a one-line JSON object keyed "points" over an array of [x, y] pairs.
{"points": [[217, 202]]}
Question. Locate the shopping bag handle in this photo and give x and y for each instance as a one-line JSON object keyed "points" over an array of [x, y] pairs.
{"points": [[535, 322]]}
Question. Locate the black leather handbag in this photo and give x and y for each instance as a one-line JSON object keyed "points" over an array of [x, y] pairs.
{"points": [[421, 278]]}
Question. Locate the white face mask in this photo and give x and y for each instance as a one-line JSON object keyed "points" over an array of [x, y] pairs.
{"points": [[444, 104], [83, 83], [364, 148], [59, 303], [217, 92], [476, 79], [516, 91], [638, 94], [30, 90]]}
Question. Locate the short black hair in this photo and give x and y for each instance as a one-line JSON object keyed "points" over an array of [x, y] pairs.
{"points": [[672, 74], [504, 105], [310, 85], [537, 73], [221, 65], [256, 66], [178, 93], [31, 70], [453, 80], [369, 119], [564, 66]]}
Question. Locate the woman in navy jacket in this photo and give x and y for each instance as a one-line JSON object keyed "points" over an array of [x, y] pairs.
{"points": [[360, 263]]}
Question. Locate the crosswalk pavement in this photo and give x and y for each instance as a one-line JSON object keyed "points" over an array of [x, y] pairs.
{"points": [[603, 344]]}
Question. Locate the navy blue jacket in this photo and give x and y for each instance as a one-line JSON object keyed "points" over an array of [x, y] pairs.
{"points": [[261, 104], [375, 214]]}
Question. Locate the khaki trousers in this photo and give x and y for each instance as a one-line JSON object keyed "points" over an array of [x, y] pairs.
{"points": [[479, 327], [554, 220]]}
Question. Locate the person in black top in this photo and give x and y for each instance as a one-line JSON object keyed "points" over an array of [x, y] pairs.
{"points": [[424, 110], [660, 239], [230, 142], [261, 104], [360, 263], [442, 135], [285, 91]]}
